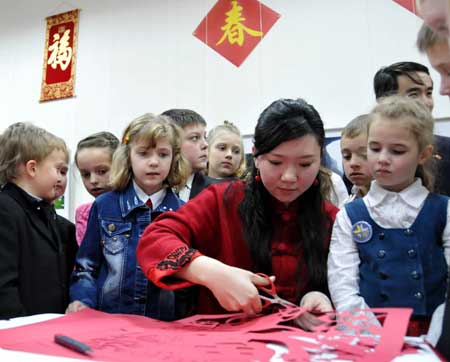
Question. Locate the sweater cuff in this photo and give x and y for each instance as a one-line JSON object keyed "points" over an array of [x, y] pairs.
{"points": [[162, 273]]}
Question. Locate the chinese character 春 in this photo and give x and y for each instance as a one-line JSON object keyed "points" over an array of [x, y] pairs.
{"points": [[234, 28], [61, 51]]}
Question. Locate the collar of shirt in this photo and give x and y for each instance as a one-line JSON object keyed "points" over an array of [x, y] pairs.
{"points": [[189, 181], [38, 199], [185, 191], [156, 197], [414, 195]]}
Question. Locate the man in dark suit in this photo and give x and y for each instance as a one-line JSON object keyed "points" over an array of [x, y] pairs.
{"points": [[413, 80]]}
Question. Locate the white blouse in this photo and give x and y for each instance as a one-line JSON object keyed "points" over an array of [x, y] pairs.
{"points": [[389, 210]]}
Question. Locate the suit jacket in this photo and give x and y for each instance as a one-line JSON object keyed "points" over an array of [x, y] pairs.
{"points": [[442, 165], [37, 251], [201, 182]]}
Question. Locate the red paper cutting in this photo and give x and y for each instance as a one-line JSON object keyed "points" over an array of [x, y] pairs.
{"points": [[234, 28], [217, 338]]}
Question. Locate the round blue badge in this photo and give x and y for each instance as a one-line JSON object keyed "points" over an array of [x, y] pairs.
{"points": [[362, 232]]}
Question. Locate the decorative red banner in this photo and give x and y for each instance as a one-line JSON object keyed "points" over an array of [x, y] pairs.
{"points": [[60, 56], [234, 28], [409, 5]]}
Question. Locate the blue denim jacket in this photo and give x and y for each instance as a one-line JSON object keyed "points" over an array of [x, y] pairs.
{"points": [[107, 276]]}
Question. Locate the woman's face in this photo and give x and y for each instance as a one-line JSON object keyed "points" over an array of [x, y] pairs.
{"points": [[225, 155], [290, 168]]}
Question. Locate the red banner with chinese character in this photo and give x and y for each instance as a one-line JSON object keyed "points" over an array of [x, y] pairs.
{"points": [[60, 56], [234, 28], [408, 4]]}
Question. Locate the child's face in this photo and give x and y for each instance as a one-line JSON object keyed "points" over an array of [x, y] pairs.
{"points": [[94, 164], [290, 168], [50, 175], [194, 147], [439, 57], [151, 166], [393, 154], [225, 155], [61, 188], [354, 159]]}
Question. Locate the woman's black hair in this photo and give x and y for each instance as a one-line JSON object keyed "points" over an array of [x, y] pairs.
{"points": [[285, 120]]}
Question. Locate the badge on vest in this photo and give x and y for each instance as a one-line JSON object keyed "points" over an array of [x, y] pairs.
{"points": [[362, 232]]}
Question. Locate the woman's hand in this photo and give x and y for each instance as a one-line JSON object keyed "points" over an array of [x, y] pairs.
{"points": [[316, 302], [313, 302], [234, 288], [75, 306]]}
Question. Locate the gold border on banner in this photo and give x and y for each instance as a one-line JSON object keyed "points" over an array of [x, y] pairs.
{"points": [[63, 89]]}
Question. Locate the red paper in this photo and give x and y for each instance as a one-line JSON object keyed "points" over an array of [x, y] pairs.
{"points": [[234, 28], [230, 337]]}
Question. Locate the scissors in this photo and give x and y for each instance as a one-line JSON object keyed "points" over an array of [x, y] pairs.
{"points": [[269, 295]]}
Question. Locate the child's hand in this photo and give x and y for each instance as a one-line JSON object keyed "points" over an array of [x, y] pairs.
{"points": [[75, 306]]}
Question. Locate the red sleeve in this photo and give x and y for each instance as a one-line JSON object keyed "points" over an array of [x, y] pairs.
{"points": [[331, 211], [174, 239]]}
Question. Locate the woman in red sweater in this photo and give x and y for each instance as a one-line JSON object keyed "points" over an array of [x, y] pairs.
{"points": [[276, 223]]}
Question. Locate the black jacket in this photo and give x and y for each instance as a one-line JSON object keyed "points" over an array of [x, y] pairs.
{"points": [[37, 252], [442, 165]]}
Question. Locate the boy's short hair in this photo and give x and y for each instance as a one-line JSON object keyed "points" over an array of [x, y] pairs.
{"points": [[184, 117], [428, 38], [22, 142], [356, 127], [385, 82]]}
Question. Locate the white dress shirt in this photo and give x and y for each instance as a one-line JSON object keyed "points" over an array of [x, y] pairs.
{"points": [[156, 198], [185, 191], [339, 193], [389, 210]]}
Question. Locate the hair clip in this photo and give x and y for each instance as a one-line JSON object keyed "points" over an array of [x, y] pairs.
{"points": [[126, 139]]}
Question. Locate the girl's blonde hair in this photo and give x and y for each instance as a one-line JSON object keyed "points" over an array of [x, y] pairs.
{"points": [[22, 142], [148, 128], [417, 119], [228, 126]]}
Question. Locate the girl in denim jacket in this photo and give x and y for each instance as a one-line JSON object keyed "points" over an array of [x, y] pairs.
{"points": [[145, 167]]}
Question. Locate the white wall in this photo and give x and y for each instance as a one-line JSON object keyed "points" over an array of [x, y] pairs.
{"points": [[140, 56]]}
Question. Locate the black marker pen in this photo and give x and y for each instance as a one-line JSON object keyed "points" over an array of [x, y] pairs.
{"points": [[72, 344]]}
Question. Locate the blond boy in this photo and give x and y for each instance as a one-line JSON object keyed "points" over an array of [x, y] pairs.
{"points": [[36, 251]]}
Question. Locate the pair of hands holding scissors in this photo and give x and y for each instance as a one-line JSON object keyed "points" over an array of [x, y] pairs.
{"points": [[237, 289]]}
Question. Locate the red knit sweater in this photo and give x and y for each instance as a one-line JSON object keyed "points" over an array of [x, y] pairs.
{"points": [[210, 225]]}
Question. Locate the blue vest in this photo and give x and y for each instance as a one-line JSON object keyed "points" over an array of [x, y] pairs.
{"points": [[402, 267]]}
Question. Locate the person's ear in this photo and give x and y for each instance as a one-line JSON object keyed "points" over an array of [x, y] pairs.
{"points": [[255, 159], [30, 168], [425, 154]]}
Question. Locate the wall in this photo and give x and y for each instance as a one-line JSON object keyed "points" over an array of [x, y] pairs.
{"points": [[140, 56]]}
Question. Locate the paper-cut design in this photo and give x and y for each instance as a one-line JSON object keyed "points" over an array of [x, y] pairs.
{"points": [[409, 5], [234, 28], [60, 56], [355, 336]]}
